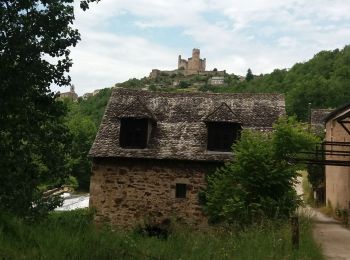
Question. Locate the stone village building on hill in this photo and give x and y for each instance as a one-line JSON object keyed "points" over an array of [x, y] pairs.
{"points": [[153, 150]]}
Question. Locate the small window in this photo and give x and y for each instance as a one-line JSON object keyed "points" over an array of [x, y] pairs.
{"points": [[180, 190], [222, 135], [133, 133]]}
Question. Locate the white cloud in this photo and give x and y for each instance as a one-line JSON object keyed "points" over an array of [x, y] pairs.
{"points": [[260, 34], [105, 59]]}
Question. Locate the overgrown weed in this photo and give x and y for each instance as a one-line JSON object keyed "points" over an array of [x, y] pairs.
{"points": [[71, 235]]}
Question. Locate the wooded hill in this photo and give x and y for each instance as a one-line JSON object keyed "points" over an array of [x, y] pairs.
{"points": [[323, 81]]}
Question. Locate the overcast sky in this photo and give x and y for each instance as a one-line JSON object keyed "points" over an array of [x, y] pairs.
{"points": [[123, 39]]}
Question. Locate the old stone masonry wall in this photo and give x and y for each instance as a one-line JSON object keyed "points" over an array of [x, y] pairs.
{"points": [[128, 192]]}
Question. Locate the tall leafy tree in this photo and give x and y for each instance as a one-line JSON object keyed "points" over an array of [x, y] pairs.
{"points": [[35, 37], [249, 75], [259, 182]]}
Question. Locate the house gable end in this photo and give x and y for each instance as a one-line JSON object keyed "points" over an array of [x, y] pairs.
{"points": [[137, 109], [223, 113]]}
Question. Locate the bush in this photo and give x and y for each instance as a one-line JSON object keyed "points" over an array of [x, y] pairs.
{"points": [[183, 84], [259, 183]]}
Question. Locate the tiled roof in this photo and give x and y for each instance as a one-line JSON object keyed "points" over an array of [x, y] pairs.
{"points": [[179, 131]]}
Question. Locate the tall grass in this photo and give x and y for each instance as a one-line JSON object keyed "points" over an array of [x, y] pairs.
{"points": [[70, 235]]}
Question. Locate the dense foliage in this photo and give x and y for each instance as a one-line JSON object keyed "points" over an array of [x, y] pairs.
{"points": [[322, 81], [83, 120], [35, 37], [316, 175], [93, 107], [259, 183]]}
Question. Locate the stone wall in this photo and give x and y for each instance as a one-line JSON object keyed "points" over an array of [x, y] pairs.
{"points": [[126, 192], [182, 63], [337, 177]]}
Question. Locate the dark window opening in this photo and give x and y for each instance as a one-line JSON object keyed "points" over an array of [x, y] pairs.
{"points": [[222, 135], [180, 190], [133, 133]]}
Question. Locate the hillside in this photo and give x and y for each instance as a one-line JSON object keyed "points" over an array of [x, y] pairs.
{"points": [[323, 81]]}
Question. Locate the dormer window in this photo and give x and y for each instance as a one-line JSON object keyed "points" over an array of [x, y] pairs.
{"points": [[136, 123], [222, 135], [134, 133], [223, 127]]}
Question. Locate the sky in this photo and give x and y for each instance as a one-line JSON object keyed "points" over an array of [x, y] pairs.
{"points": [[123, 39]]}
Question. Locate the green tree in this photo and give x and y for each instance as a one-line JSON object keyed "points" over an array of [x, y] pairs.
{"points": [[249, 75], [316, 175], [259, 182], [322, 81], [94, 106], [33, 138], [83, 132]]}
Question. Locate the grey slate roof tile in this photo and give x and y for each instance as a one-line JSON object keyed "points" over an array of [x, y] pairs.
{"points": [[180, 131]]}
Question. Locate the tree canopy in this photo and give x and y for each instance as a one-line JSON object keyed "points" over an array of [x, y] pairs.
{"points": [[249, 75], [322, 81], [83, 120], [35, 37], [259, 183]]}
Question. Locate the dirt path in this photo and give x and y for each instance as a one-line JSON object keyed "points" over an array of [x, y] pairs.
{"points": [[328, 233], [333, 238]]}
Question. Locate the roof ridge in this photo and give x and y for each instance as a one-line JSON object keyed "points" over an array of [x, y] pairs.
{"points": [[337, 111], [127, 90]]}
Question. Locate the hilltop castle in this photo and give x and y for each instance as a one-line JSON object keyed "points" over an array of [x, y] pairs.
{"points": [[191, 66], [70, 95]]}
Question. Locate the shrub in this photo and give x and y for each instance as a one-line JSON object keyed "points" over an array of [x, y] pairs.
{"points": [[259, 183], [183, 84]]}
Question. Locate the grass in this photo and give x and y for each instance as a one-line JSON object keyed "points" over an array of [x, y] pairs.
{"points": [[71, 235]]}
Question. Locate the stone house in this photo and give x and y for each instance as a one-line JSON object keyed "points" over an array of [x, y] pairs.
{"points": [[337, 146], [153, 150], [216, 81]]}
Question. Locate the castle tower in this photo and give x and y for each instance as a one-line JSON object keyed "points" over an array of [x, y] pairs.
{"points": [[192, 65], [182, 64], [195, 54], [72, 89]]}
